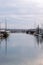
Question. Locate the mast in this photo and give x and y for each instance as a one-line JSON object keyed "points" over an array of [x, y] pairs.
{"points": [[5, 25]]}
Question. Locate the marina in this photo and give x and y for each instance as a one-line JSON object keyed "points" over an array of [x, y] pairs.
{"points": [[21, 32]]}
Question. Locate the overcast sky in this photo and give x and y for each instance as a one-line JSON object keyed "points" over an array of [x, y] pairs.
{"points": [[22, 12]]}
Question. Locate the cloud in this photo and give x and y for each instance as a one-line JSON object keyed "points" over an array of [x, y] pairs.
{"points": [[23, 10], [18, 7]]}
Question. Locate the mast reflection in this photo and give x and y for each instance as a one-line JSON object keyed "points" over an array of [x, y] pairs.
{"points": [[6, 46], [0, 46], [1, 39], [39, 40]]}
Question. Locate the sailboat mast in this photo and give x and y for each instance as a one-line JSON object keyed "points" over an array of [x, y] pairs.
{"points": [[5, 24]]}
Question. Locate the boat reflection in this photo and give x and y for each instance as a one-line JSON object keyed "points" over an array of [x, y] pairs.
{"points": [[6, 46], [1, 39], [39, 40]]}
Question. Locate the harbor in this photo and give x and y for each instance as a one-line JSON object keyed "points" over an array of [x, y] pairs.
{"points": [[21, 46], [37, 31], [21, 32]]}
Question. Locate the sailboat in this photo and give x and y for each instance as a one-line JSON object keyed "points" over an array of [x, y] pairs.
{"points": [[4, 33], [38, 32]]}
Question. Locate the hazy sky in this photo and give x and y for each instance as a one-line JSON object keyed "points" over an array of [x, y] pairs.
{"points": [[25, 11]]}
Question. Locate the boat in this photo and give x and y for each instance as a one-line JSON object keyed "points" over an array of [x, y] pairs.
{"points": [[4, 34]]}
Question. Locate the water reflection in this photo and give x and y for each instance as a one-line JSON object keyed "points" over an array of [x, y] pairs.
{"points": [[1, 40], [20, 50], [5, 46], [0, 45], [39, 40]]}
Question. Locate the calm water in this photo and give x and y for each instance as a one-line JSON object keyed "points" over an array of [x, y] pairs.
{"points": [[21, 49]]}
